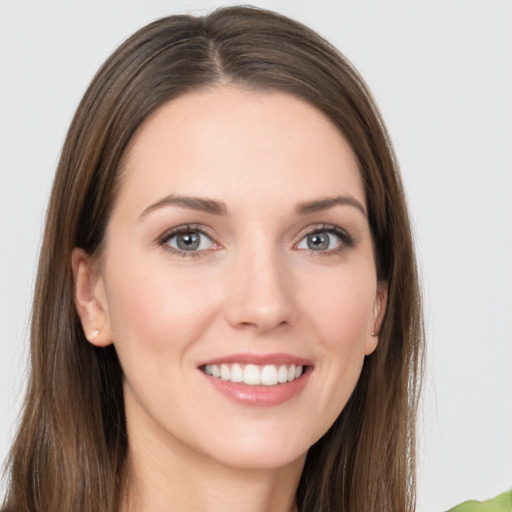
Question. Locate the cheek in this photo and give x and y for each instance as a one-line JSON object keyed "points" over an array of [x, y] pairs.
{"points": [[159, 309], [342, 310], [341, 314]]}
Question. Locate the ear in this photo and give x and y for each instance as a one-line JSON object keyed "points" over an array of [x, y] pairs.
{"points": [[91, 299], [379, 310]]}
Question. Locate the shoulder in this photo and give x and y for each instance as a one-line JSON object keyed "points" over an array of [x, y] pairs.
{"points": [[502, 503]]}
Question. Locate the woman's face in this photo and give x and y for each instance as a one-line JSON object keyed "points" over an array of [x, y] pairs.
{"points": [[238, 279]]}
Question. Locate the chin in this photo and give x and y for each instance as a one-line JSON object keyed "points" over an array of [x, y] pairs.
{"points": [[258, 460], [260, 452]]}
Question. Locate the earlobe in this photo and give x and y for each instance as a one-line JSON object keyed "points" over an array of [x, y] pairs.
{"points": [[90, 299], [379, 310]]}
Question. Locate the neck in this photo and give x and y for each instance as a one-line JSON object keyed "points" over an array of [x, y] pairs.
{"points": [[209, 486]]}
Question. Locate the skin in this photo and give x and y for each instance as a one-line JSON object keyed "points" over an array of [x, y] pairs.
{"points": [[253, 286]]}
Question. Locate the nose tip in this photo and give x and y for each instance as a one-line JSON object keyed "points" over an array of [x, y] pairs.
{"points": [[261, 298], [264, 318]]}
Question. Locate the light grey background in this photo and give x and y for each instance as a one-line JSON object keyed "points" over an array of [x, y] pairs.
{"points": [[441, 72]]}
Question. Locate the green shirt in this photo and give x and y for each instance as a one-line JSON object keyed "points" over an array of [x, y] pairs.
{"points": [[502, 503]]}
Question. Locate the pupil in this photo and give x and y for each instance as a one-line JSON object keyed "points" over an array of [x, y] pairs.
{"points": [[188, 241], [318, 241]]}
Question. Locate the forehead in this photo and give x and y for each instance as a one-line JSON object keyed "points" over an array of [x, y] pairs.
{"points": [[230, 142]]}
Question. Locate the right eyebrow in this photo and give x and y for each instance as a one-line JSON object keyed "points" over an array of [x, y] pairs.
{"points": [[201, 204], [309, 207]]}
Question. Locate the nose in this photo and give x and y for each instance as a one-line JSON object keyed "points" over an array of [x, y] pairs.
{"points": [[261, 293]]}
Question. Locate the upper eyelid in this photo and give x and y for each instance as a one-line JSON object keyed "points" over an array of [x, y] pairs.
{"points": [[346, 238], [320, 227], [163, 241], [207, 231], [171, 232]]}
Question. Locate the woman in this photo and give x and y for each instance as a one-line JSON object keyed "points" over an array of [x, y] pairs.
{"points": [[227, 314]]}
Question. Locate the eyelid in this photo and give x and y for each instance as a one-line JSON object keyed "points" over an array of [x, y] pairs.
{"points": [[346, 239], [183, 228], [162, 240]]}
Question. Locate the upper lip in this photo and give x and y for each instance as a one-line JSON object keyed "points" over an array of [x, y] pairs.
{"points": [[259, 359]]}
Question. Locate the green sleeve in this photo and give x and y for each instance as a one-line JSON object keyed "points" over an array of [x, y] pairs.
{"points": [[502, 503]]}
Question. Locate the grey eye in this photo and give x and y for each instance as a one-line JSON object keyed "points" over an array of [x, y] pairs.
{"points": [[320, 241], [190, 241]]}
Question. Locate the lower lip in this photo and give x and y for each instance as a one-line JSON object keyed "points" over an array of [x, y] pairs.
{"points": [[259, 396]]}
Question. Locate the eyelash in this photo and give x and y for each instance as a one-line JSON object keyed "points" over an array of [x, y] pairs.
{"points": [[187, 228], [345, 238]]}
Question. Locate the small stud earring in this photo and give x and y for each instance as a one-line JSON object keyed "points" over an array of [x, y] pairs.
{"points": [[374, 335], [95, 333]]}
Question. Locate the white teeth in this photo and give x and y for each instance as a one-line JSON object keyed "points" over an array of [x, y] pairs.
{"points": [[254, 375], [237, 374], [269, 375], [282, 374], [225, 374]]}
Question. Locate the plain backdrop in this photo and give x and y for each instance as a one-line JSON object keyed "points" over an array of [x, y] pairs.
{"points": [[441, 72]]}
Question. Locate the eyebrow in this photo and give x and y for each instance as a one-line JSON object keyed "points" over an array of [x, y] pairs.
{"points": [[200, 204], [214, 207], [319, 205]]}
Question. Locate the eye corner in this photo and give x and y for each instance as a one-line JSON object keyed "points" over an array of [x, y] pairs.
{"points": [[324, 239]]}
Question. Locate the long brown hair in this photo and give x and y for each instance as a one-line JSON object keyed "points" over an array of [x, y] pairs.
{"points": [[70, 453]]}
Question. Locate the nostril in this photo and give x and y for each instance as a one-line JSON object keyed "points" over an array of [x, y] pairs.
{"points": [[261, 325]]}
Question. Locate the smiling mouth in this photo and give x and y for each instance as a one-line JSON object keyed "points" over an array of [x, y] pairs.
{"points": [[255, 375]]}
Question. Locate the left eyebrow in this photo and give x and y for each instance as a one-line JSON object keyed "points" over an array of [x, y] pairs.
{"points": [[189, 202], [318, 205]]}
